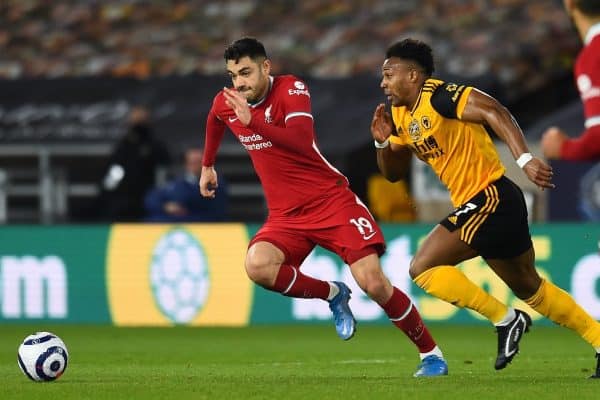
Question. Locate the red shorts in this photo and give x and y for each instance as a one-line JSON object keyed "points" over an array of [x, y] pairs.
{"points": [[340, 223]]}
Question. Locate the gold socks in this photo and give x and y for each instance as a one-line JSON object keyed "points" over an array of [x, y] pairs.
{"points": [[558, 306], [450, 284]]}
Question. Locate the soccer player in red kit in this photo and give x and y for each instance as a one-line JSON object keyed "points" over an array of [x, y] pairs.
{"points": [[555, 143], [309, 200]]}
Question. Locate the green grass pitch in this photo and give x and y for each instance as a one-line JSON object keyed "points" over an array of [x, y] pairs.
{"points": [[297, 362]]}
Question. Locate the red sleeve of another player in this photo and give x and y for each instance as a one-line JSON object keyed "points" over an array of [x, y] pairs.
{"points": [[215, 128], [584, 148]]}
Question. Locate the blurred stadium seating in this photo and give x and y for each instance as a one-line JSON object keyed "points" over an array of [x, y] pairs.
{"points": [[521, 42]]}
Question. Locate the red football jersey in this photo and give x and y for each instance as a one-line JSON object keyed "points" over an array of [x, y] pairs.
{"points": [[587, 77], [280, 140]]}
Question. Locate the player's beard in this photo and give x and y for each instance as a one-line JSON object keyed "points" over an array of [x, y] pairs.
{"points": [[394, 100], [260, 90], [252, 97]]}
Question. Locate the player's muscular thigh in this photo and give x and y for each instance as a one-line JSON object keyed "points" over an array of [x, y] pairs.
{"points": [[441, 247]]}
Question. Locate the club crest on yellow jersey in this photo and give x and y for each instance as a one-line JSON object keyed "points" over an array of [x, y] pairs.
{"points": [[426, 122], [414, 130]]}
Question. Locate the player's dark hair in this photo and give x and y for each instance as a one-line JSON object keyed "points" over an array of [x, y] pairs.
{"points": [[588, 7], [413, 50], [245, 47]]}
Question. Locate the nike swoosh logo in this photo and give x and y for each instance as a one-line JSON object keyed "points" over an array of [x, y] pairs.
{"points": [[232, 119], [514, 336], [369, 236]]}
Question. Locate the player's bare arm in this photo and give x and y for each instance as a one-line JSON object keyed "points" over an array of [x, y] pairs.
{"points": [[238, 104], [393, 160], [484, 109], [208, 182]]}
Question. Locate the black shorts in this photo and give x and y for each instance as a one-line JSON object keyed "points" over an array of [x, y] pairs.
{"points": [[494, 221]]}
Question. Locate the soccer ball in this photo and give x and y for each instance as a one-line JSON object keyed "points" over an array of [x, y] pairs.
{"points": [[43, 356]]}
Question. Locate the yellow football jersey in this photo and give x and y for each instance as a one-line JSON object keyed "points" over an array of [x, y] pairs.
{"points": [[461, 153]]}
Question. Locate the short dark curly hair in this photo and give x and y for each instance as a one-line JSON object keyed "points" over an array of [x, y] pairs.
{"points": [[245, 47], [413, 50], [588, 7]]}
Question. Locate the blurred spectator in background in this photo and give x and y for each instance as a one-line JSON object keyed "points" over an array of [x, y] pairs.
{"points": [[555, 143], [133, 168], [179, 200]]}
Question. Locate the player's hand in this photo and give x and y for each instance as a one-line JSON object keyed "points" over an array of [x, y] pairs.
{"points": [[381, 125], [238, 104], [539, 173], [208, 182], [552, 141]]}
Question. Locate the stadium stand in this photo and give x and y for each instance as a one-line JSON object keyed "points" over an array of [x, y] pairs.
{"points": [[71, 70], [523, 43]]}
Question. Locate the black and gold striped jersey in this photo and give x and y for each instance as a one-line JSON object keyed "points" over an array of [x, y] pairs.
{"points": [[461, 153]]}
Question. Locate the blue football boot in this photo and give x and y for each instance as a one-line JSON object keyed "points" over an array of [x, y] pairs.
{"points": [[345, 324], [431, 366]]}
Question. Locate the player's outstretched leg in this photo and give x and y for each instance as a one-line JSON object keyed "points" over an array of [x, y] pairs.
{"points": [[431, 366], [509, 337], [345, 324]]}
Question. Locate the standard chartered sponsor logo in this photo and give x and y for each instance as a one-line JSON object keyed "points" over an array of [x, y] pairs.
{"points": [[179, 276], [258, 146], [254, 142], [251, 138], [33, 287]]}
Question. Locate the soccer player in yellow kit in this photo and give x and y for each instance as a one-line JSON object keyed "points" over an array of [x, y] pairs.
{"points": [[443, 125]]}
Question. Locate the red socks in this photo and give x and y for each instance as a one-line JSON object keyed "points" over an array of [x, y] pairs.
{"points": [[405, 316], [293, 283]]}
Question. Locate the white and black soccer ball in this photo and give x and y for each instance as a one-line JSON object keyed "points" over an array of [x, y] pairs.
{"points": [[43, 356]]}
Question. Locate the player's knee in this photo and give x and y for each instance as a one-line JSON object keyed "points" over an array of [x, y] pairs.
{"points": [[417, 267], [525, 283], [260, 276], [375, 288], [525, 288], [261, 270]]}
